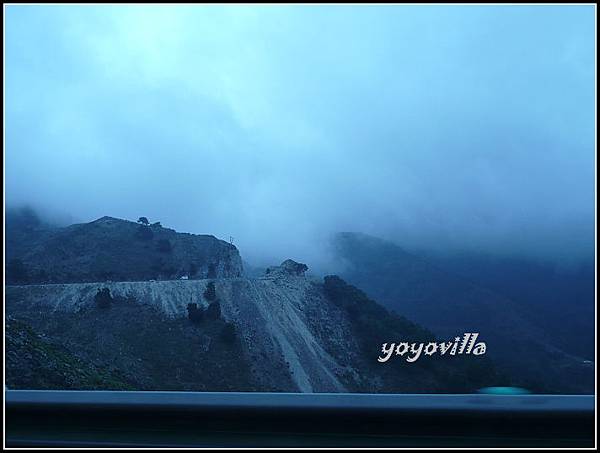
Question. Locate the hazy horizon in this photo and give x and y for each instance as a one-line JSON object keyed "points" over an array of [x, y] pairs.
{"points": [[444, 128]]}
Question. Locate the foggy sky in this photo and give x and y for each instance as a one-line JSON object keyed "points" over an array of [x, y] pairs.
{"points": [[450, 128]]}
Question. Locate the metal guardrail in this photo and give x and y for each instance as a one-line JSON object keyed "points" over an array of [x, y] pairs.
{"points": [[38, 418], [430, 402]]}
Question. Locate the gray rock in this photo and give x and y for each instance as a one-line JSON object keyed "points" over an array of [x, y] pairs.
{"points": [[287, 268]]}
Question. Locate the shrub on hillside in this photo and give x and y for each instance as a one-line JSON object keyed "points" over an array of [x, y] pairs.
{"points": [[195, 314], [103, 298], [210, 293], [373, 321], [214, 310]]}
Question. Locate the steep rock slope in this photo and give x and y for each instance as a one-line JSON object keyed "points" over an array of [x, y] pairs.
{"points": [[292, 334]]}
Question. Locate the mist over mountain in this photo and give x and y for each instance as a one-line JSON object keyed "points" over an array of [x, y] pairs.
{"points": [[155, 153], [559, 299], [327, 332], [434, 128]]}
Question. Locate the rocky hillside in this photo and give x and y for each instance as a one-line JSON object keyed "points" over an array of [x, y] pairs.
{"points": [[447, 304], [114, 249], [36, 361], [107, 299], [281, 332]]}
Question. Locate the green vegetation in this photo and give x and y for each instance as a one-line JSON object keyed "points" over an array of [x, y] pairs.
{"points": [[373, 325], [131, 346], [214, 310], [33, 362], [373, 321]]}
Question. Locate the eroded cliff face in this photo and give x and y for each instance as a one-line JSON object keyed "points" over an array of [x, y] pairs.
{"points": [[284, 325], [281, 332]]}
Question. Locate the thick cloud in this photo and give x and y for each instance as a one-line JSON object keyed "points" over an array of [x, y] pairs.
{"points": [[441, 127]]}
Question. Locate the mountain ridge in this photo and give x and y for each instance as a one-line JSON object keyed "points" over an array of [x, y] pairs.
{"points": [[445, 303], [292, 332], [109, 248]]}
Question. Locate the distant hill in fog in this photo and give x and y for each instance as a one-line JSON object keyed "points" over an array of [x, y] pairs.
{"points": [[447, 303], [559, 300]]}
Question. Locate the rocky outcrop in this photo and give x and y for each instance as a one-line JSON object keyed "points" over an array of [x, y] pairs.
{"points": [[118, 250], [289, 268], [271, 319]]}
